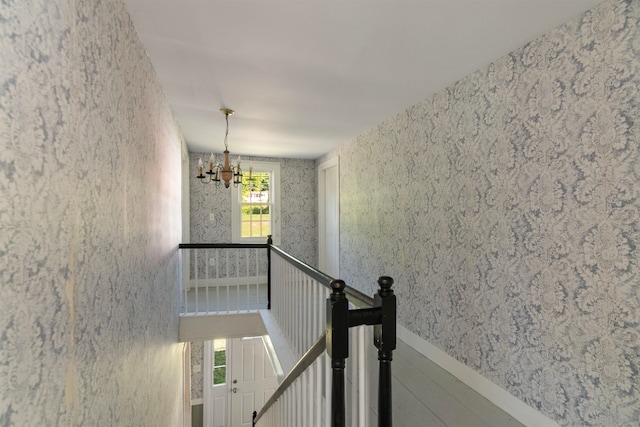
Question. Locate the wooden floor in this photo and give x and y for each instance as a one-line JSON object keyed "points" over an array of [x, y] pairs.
{"points": [[426, 395]]}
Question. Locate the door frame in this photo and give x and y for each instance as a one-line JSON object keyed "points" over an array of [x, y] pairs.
{"points": [[322, 217]]}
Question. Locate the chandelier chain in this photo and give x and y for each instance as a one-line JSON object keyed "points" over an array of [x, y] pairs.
{"points": [[226, 133]]}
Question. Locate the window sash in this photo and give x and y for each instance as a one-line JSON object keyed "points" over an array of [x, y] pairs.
{"points": [[272, 202]]}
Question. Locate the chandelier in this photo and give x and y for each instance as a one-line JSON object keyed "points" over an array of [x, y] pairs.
{"points": [[218, 171]]}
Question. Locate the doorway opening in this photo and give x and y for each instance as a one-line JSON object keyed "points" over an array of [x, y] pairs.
{"points": [[238, 378]]}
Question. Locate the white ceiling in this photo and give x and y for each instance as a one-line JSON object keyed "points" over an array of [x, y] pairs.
{"points": [[305, 76]]}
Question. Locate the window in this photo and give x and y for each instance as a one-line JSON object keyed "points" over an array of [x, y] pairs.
{"points": [[219, 362], [256, 207], [256, 204]]}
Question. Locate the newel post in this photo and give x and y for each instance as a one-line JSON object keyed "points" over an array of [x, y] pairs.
{"points": [[337, 348], [269, 243], [384, 338]]}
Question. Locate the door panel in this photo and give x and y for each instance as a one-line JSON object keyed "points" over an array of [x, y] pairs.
{"points": [[253, 379], [247, 408], [248, 361], [219, 411]]}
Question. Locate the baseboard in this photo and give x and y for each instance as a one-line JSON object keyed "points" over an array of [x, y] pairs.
{"points": [[492, 392]]}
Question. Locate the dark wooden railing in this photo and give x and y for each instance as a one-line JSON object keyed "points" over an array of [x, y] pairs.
{"points": [[339, 319]]}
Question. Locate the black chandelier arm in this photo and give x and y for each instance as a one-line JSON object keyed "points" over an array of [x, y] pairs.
{"points": [[212, 175], [203, 179]]}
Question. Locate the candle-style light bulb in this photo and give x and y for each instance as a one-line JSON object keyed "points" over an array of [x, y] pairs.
{"points": [[200, 165], [212, 161]]}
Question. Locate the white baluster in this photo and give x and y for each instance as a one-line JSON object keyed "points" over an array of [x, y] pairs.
{"points": [[327, 390], [257, 267], [318, 368], [363, 387], [185, 286], [298, 391], [297, 313], [206, 276], [217, 253], [237, 286], [354, 359], [248, 275], [197, 283], [226, 279]]}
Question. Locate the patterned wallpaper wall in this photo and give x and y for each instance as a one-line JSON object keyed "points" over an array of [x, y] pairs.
{"points": [[299, 207], [197, 358], [89, 227], [509, 217]]}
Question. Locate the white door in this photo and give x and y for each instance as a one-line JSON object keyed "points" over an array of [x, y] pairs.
{"points": [[329, 217], [252, 379]]}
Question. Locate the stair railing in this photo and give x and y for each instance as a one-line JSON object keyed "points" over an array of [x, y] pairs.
{"points": [[298, 293], [299, 400], [314, 313]]}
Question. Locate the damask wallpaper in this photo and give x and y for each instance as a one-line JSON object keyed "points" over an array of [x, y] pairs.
{"points": [[90, 221], [197, 358], [298, 179], [509, 216]]}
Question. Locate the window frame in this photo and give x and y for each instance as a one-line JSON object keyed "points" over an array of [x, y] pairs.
{"points": [[274, 209]]}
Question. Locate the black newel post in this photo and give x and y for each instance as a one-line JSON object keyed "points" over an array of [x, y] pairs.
{"points": [[384, 337], [253, 420], [269, 243], [337, 348]]}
